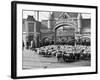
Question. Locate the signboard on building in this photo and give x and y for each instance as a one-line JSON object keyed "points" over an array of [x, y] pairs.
{"points": [[65, 32]]}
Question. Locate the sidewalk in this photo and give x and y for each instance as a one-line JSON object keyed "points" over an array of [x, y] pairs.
{"points": [[32, 60]]}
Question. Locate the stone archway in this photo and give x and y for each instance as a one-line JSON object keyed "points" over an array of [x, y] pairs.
{"points": [[72, 25], [67, 33]]}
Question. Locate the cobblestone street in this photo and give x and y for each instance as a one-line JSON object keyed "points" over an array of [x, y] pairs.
{"points": [[31, 60]]}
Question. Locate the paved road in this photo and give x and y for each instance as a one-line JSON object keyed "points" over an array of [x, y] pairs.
{"points": [[33, 60]]}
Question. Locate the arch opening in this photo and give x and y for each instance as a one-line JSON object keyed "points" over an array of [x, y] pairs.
{"points": [[65, 34]]}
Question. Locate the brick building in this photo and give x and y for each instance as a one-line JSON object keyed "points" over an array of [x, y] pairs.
{"points": [[61, 26]]}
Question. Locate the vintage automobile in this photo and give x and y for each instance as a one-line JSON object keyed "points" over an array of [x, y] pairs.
{"points": [[86, 55], [66, 53], [54, 52], [41, 52], [73, 56], [45, 53], [69, 57]]}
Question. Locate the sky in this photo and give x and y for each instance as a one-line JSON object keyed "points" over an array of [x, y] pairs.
{"points": [[45, 15]]}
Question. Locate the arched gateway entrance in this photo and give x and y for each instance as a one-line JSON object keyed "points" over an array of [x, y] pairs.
{"points": [[46, 40], [65, 34]]}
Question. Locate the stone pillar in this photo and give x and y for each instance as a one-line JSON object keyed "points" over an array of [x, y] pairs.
{"points": [[48, 23], [49, 20], [37, 15], [79, 21], [35, 32], [35, 35], [55, 37], [77, 36]]}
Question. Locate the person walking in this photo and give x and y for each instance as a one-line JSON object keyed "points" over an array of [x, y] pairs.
{"points": [[23, 45]]}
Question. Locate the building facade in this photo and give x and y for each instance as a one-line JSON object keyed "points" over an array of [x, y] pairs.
{"points": [[31, 31], [60, 27]]}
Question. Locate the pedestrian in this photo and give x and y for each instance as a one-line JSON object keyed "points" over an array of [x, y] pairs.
{"points": [[27, 45], [23, 45], [31, 45]]}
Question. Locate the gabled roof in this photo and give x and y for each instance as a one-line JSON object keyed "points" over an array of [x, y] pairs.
{"points": [[63, 15], [30, 18]]}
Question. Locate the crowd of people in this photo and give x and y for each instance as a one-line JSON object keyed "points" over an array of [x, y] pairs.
{"points": [[66, 42], [45, 42], [67, 52]]}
